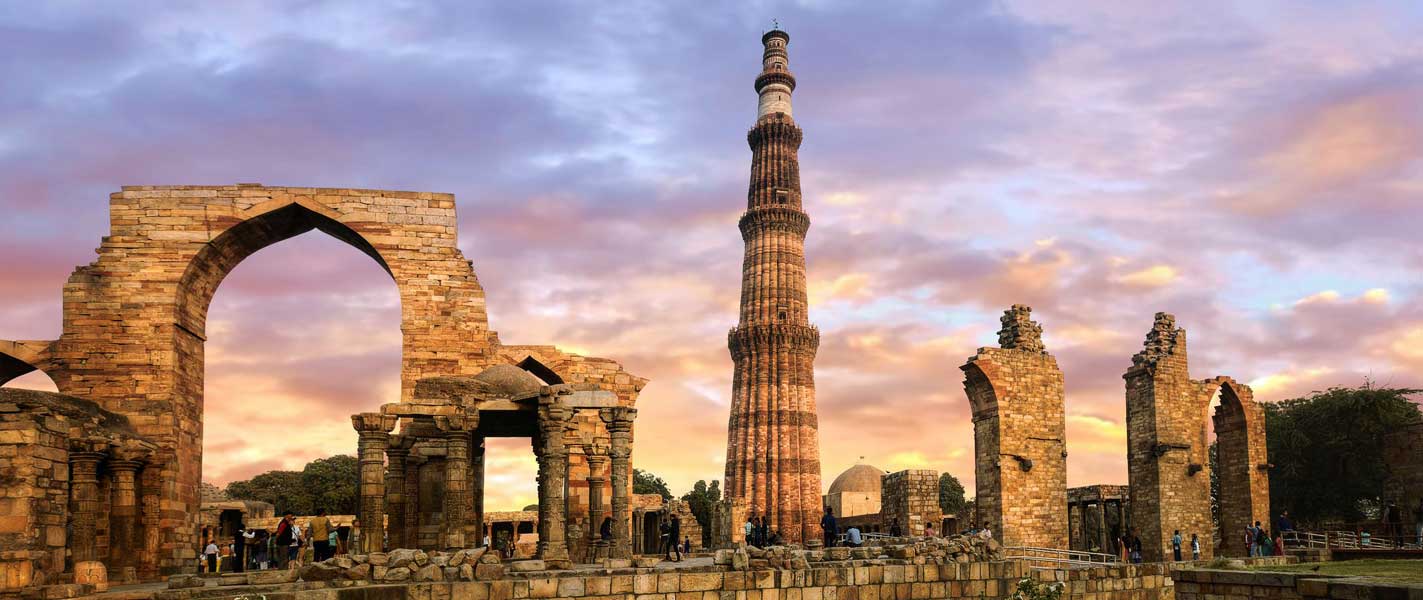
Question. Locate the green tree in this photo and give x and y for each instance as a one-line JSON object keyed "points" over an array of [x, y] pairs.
{"points": [[951, 495], [328, 483], [1328, 462], [701, 501], [332, 483], [647, 483], [283, 489]]}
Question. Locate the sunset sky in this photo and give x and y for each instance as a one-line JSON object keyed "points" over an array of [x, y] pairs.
{"points": [[1254, 168]]}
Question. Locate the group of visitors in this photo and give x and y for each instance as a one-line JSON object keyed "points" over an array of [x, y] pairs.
{"points": [[260, 549], [1261, 543], [758, 532], [672, 540], [1176, 553]]}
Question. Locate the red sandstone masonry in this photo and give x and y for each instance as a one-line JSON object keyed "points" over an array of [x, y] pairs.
{"points": [[1019, 424], [773, 449]]}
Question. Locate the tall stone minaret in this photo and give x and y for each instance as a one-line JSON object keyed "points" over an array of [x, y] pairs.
{"points": [[773, 447]]}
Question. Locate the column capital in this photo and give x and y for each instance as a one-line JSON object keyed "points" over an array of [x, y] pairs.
{"points": [[618, 417], [462, 422], [373, 423]]}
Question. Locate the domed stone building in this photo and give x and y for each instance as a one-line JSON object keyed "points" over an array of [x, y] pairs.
{"points": [[856, 491]]}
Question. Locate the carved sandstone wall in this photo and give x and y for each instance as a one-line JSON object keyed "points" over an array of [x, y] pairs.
{"points": [[1019, 424]]}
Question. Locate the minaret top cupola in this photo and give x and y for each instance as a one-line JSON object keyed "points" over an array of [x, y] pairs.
{"points": [[776, 82]]}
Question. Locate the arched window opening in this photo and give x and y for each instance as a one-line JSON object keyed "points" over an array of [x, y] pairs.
{"points": [[300, 335]]}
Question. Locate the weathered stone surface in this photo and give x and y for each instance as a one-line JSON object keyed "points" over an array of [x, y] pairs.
{"points": [[271, 577], [775, 469], [322, 571], [1020, 440], [178, 582], [911, 498], [405, 557], [524, 566], [1167, 454], [430, 572], [486, 572], [360, 572], [395, 574]]}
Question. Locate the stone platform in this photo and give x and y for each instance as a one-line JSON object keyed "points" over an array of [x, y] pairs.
{"points": [[920, 571]]}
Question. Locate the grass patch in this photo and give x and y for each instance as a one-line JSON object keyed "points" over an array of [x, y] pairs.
{"points": [[1399, 571]]}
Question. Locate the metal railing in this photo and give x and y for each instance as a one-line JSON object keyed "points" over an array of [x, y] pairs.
{"points": [[1058, 558], [1347, 540]]}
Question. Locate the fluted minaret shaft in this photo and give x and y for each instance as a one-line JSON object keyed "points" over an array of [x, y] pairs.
{"points": [[773, 447]]}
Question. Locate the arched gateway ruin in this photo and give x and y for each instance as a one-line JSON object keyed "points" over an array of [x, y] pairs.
{"points": [[132, 342]]}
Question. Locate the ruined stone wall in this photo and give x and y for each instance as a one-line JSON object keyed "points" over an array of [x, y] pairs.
{"points": [[912, 498], [1167, 448], [134, 321], [1166, 444], [1019, 420], [34, 497], [1203, 584]]}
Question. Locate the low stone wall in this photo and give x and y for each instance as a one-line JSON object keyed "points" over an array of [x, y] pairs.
{"points": [[1206, 584], [847, 580]]}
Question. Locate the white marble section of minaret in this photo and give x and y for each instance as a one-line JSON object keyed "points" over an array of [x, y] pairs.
{"points": [[775, 98]]}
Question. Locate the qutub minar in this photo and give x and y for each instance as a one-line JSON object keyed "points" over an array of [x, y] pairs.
{"points": [[773, 448]]}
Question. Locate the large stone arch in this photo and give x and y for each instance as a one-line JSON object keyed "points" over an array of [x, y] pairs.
{"points": [[135, 319], [1019, 430], [1168, 449], [1241, 461]]}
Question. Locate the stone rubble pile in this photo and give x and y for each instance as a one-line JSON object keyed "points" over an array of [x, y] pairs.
{"points": [[936, 550], [408, 565]]}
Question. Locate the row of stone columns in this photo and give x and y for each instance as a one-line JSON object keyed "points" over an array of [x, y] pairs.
{"points": [[396, 489], [85, 504]]}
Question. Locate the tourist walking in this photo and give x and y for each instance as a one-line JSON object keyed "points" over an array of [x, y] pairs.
{"points": [[750, 528], [894, 530], [294, 548], [282, 540], [674, 532], [320, 529], [687, 545], [853, 536], [928, 530], [239, 547], [1418, 522], [1279, 543], [1176, 545], [1285, 523], [764, 533], [664, 532], [1136, 549], [829, 528], [210, 553], [1195, 547]]}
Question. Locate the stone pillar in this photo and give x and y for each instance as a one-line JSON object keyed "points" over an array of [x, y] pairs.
{"points": [[84, 510], [457, 430], [412, 502], [374, 437], [476, 490], [1102, 531], [395, 490], [553, 418], [151, 479], [124, 543], [597, 461], [619, 423]]}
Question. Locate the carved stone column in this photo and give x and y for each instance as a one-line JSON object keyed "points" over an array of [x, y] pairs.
{"points": [[395, 490], [619, 423], [553, 416], [84, 510], [597, 455], [457, 430], [124, 544], [374, 437], [412, 502], [476, 491], [150, 506]]}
